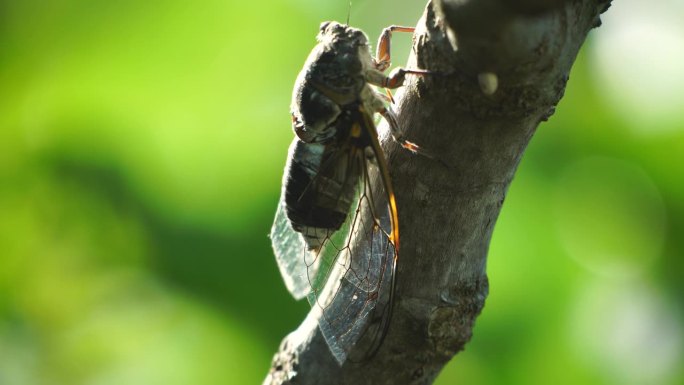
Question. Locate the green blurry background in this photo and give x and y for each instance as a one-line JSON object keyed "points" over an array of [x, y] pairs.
{"points": [[141, 152]]}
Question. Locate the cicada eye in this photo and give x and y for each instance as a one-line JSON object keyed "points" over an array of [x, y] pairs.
{"points": [[360, 38]]}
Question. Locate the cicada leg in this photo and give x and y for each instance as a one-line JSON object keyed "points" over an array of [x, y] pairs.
{"points": [[396, 131], [398, 135], [384, 58], [394, 80]]}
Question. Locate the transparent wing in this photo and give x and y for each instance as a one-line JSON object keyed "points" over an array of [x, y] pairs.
{"points": [[354, 301], [290, 252], [350, 286], [302, 270]]}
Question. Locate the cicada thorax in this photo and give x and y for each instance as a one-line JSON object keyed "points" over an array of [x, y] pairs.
{"points": [[323, 177]]}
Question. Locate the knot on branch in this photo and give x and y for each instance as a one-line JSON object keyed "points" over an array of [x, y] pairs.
{"points": [[450, 327]]}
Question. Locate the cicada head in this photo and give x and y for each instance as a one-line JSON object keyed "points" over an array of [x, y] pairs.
{"points": [[332, 31]]}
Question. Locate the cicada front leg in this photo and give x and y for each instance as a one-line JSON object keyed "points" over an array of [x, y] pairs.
{"points": [[384, 58], [395, 79]]}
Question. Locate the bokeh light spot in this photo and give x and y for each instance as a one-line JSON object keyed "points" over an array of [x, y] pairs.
{"points": [[627, 331], [637, 56]]}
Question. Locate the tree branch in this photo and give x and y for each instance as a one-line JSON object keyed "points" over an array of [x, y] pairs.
{"points": [[500, 67]]}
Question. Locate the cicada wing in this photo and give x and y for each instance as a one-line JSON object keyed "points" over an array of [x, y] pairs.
{"points": [[354, 302], [290, 252], [305, 270], [350, 286], [374, 252]]}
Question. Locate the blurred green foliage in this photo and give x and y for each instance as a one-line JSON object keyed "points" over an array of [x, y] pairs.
{"points": [[141, 152]]}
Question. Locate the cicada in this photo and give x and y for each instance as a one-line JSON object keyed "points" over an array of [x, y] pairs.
{"points": [[327, 201]]}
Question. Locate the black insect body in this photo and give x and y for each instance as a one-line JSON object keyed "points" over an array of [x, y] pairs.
{"points": [[321, 180], [326, 195]]}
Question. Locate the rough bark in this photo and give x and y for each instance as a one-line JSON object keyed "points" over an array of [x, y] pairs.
{"points": [[480, 128]]}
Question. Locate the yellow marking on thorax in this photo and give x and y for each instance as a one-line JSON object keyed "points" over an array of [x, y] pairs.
{"points": [[356, 130]]}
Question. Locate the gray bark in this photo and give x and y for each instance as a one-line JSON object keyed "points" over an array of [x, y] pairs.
{"points": [[447, 214]]}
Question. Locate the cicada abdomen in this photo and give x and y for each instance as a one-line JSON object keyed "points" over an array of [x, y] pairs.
{"points": [[320, 185]]}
